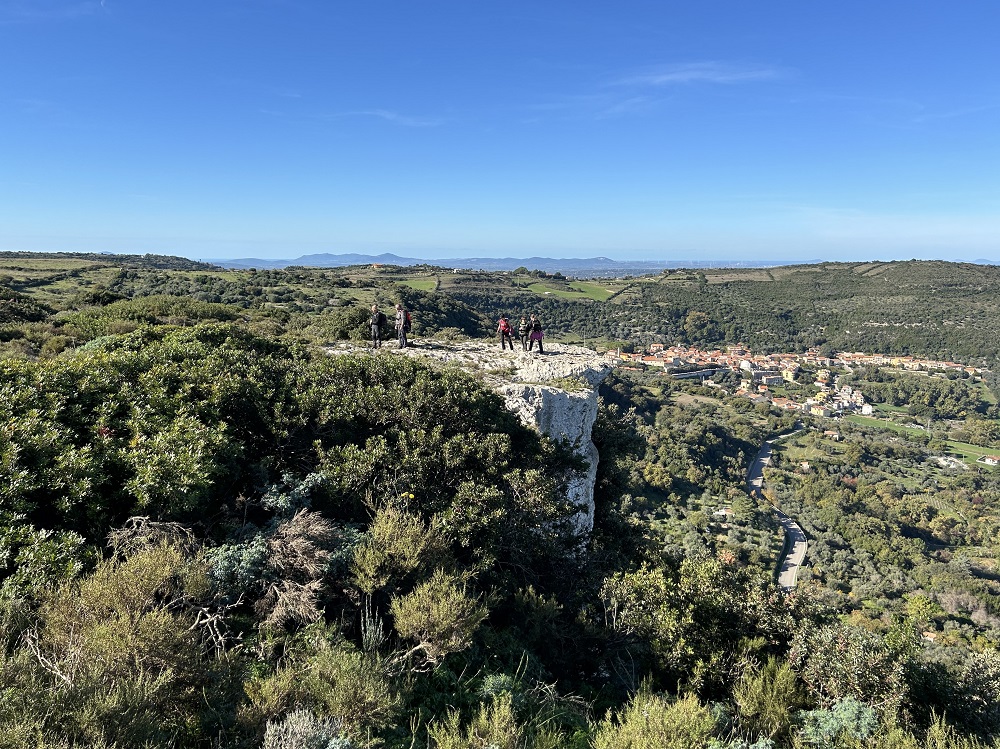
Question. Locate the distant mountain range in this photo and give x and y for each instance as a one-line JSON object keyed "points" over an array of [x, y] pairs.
{"points": [[598, 266]]}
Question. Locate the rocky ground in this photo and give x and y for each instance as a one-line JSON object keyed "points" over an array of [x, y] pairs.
{"points": [[558, 366]]}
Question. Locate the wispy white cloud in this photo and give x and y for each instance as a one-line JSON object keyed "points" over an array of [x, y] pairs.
{"points": [[387, 115], [645, 90], [392, 116], [601, 106], [701, 72], [630, 105]]}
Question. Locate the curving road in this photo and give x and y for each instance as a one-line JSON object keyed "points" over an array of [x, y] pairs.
{"points": [[795, 539]]}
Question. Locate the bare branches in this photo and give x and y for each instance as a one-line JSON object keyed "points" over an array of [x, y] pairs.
{"points": [[30, 640], [140, 533], [297, 562]]}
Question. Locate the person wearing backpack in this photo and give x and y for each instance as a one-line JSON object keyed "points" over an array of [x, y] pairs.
{"points": [[402, 325], [536, 334], [377, 321], [506, 333], [522, 331]]}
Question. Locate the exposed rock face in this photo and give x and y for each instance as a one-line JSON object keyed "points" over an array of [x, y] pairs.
{"points": [[563, 415], [554, 392]]}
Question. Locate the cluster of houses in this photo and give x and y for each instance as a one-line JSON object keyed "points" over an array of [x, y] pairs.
{"points": [[761, 372], [733, 357]]}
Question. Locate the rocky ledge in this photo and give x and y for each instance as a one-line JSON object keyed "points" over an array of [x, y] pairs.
{"points": [[554, 392]]}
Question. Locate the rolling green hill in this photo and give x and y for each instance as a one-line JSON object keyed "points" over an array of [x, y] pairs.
{"points": [[934, 309]]}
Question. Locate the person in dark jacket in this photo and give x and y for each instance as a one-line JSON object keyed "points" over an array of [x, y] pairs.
{"points": [[375, 323], [522, 331], [535, 334]]}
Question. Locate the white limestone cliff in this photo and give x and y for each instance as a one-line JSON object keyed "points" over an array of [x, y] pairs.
{"points": [[554, 392], [563, 415]]}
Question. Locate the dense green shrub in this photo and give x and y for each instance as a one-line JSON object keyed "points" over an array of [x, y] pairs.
{"points": [[118, 656], [654, 720], [322, 672], [840, 662]]}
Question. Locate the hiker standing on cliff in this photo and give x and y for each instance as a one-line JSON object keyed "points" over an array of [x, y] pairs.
{"points": [[522, 331], [375, 323], [535, 334], [505, 331], [402, 324]]}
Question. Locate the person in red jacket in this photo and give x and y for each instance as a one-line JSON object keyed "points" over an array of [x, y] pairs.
{"points": [[505, 332]]}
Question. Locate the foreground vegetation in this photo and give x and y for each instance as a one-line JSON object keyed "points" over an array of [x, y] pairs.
{"points": [[212, 533]]}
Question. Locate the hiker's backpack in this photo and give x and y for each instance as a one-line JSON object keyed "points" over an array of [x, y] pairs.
{"points": [[536, 326], [407, 322], [381, 319]]}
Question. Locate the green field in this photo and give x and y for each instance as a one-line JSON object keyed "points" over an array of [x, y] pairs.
{"points": [[544, 289], [420, 284], [968, 452], [45, 265], [886, 408], [884, 424], [600, 292]]}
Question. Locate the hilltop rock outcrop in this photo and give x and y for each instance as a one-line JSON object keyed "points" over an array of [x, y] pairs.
{"points": [[554, 392]]}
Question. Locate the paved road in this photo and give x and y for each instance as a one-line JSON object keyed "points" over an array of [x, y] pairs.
{"points": [[795, 539]]}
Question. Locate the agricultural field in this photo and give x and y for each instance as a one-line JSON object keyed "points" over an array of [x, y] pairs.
{"points": [[969, 453], [421, 284]]}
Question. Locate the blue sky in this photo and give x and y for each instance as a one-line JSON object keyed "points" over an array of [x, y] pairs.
{"points": [[635, 130]]}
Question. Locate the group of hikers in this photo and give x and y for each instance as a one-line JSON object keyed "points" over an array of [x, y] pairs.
{"points": [[403, 323], [529, 330]]}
